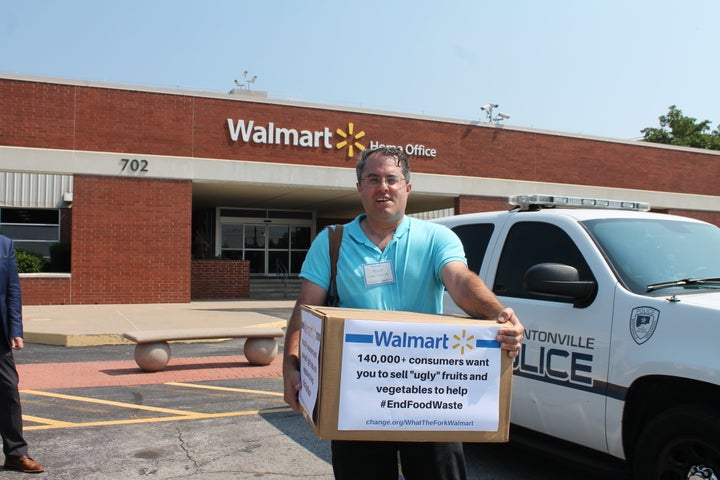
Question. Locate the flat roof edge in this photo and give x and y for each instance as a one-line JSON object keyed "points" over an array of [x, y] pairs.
{"points": [[295, 103]]}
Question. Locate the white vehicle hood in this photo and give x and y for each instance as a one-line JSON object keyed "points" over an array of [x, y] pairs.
{"points": [[707, 299]]}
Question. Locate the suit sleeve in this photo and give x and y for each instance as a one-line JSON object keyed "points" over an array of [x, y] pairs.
{"points": [[14, 297]]}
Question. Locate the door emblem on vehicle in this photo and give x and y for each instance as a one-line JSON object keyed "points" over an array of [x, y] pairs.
{"points": [[643, 321]]}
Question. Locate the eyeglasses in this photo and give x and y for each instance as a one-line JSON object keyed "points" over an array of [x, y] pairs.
{"points": [[375, 182]]}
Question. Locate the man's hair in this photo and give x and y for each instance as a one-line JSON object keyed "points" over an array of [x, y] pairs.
{"points": [[401, 160]]}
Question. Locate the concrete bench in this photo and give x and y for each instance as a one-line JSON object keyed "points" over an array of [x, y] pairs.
{"points": [[152, 352]]}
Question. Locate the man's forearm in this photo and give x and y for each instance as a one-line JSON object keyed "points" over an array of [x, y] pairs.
{"points": [[292, 340], [477, 300]]}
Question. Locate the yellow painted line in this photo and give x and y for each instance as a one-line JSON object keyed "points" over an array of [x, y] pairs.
{"points": [[64, 407], [158, 419], [46, 421], [223, 389], [110, 402]]}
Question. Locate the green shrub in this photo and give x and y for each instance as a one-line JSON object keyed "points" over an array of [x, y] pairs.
{"points": [[29, 262]]}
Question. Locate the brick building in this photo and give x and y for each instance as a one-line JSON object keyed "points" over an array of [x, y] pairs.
{"points": [[147, 185]]}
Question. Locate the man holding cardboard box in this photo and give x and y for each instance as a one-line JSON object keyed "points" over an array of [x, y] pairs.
{"points": [[389, 261]]}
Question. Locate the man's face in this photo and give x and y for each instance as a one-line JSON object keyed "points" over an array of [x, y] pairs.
{"points": [[383, 202]]}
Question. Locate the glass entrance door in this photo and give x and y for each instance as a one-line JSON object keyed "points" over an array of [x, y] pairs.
{"points": [[272, 250]]}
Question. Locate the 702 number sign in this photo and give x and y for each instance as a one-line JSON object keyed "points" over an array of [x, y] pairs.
{"points": [[128, 165]]}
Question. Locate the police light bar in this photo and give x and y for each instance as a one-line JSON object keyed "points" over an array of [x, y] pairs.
{"points": [[527, 202]]}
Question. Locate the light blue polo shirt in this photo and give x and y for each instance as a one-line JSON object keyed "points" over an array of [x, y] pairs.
{"points": [[405, 276]]}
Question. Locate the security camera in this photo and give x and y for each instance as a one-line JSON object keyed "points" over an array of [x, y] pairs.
{"points": [[503, 116], [489, 106]]}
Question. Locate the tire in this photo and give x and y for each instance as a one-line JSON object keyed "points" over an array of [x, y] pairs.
{"points": [[680, 443]]}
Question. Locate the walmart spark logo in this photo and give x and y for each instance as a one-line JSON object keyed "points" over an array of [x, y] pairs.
{"points": [[463, 342], [350, 140]]}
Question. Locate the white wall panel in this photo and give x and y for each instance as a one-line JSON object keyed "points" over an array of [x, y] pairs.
{"points": [[35, 190]]}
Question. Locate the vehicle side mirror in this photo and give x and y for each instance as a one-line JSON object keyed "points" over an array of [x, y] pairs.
{"points": [[560, 281]]}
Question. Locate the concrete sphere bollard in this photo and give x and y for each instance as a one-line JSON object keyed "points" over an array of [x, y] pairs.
{"points": [[152, 357], [260, 351]]}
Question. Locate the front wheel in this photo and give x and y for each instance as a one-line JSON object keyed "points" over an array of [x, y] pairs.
{"points": [[682, 443]]}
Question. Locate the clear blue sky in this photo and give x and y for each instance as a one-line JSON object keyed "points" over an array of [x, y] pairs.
{"points": [[597, 67]]}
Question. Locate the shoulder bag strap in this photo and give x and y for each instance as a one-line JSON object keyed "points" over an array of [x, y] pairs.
{"points": [[335, 239]]}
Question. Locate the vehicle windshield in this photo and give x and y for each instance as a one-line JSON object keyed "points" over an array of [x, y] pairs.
{"points": [[647, 252]]}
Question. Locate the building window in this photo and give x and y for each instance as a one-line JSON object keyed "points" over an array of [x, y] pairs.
{"points": [[33, 229]]}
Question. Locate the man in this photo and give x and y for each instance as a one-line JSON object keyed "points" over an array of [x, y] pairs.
{"points": [[412, 261], [14, 445]]}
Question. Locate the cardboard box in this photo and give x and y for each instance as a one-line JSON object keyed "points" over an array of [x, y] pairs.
{"points": [[402, 376]]}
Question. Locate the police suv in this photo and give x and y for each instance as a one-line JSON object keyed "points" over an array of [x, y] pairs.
{"points": [[622, 312]]}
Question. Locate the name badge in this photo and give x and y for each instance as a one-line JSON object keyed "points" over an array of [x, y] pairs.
{"points": [[379, 273]]}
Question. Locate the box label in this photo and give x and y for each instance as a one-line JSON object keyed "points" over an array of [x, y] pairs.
{"points": [[419, 376], [310, 341]]}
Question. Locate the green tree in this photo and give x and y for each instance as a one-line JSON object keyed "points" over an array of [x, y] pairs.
{"points": [[677, 129]]}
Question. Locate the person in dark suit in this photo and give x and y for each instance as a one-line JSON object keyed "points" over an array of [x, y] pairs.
{"points": [[15, 447]]}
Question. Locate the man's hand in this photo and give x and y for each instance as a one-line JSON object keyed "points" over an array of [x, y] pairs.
{"points": [[510, 336], [291, 382], [16, 343]]}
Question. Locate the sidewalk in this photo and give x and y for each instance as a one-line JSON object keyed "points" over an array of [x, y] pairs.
{"points": [[86, 325]]}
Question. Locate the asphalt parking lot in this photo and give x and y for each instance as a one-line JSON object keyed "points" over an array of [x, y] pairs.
{"points": [[208, 416]]}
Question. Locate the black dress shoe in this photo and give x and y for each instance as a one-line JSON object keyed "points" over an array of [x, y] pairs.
{"points": [[23, 464]]}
